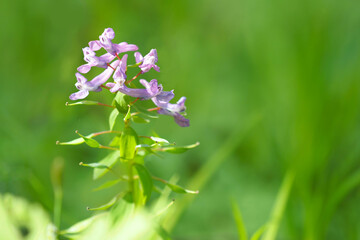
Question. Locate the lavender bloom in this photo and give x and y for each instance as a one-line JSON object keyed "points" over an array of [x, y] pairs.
{"points": [[112, 48], [166, 108], [151, 90], [85, 86], [94, 61], [148, 61], [119, 75]]}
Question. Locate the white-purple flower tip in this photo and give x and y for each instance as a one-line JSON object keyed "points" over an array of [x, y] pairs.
{"points": [[166, 108], [105, 41], [148, 61], [94, 85]]}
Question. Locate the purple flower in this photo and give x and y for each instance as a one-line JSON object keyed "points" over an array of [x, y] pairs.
{"points": [[166, 108], [94, 61], [151, 90], [148, 61], [112, 48], [119, 75], [85, 86]]}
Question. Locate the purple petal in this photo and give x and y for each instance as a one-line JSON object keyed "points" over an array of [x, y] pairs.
{"points": [[107, 57], [157, 68], [181, 120], [165, 96], [138, 57], [121, 69], [110, 84], [84, 68], [124, 47], [103, 77], [80, 78], [144, 83], [115, 88], [94, 45], [79, 95]]}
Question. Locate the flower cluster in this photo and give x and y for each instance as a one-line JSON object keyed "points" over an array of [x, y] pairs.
{"points": [[116, 67]]}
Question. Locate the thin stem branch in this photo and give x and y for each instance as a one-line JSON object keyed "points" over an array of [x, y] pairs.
{"points": [[106, 147], [103, 86], [104, 132], [110, 66], [153, 109], [129, 81], [106, 105]]}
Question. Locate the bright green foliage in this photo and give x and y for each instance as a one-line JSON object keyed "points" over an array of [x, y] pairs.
{"points": [[112, 119], [76, 141], [178, 189], [121, 102], [108, 161], [139, 119], [177, 149], [128, 142], [85, 102], [89, 141], [146, 181]]}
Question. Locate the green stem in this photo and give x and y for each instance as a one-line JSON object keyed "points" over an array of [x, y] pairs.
{"points": [[131, 179]]}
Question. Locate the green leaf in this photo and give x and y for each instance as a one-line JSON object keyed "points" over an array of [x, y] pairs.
{"points": [[115, 142], [76, 141], [163, 233], [86, 102], [79, 227], [128, 114], [239, 221], [108, 184], [138, 119], [128, 142], [112, 118], [177, 149], [159, 140], [93, 165], [109, 161], [106, 205], [121, 102], [178, 189], [89, 141], [145, 179]]}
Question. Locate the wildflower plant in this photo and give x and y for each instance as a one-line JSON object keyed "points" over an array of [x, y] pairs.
{"points": [[128, 148]]}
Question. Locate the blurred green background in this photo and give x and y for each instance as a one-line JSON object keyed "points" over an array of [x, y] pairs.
{"points": [[272, 87]]}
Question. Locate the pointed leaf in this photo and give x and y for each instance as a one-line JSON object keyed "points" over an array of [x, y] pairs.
{"points": [[128, 142], [112, 118], [89, 141], [145, 179], [177, 149], [121, 102], [108, 184], [178, 189], [128, 114], [86, 102], [138, 119], [105, 206], [93, 165], [109, 161], [159, 140], [79, 227], [115, 142], [76, 141]]}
